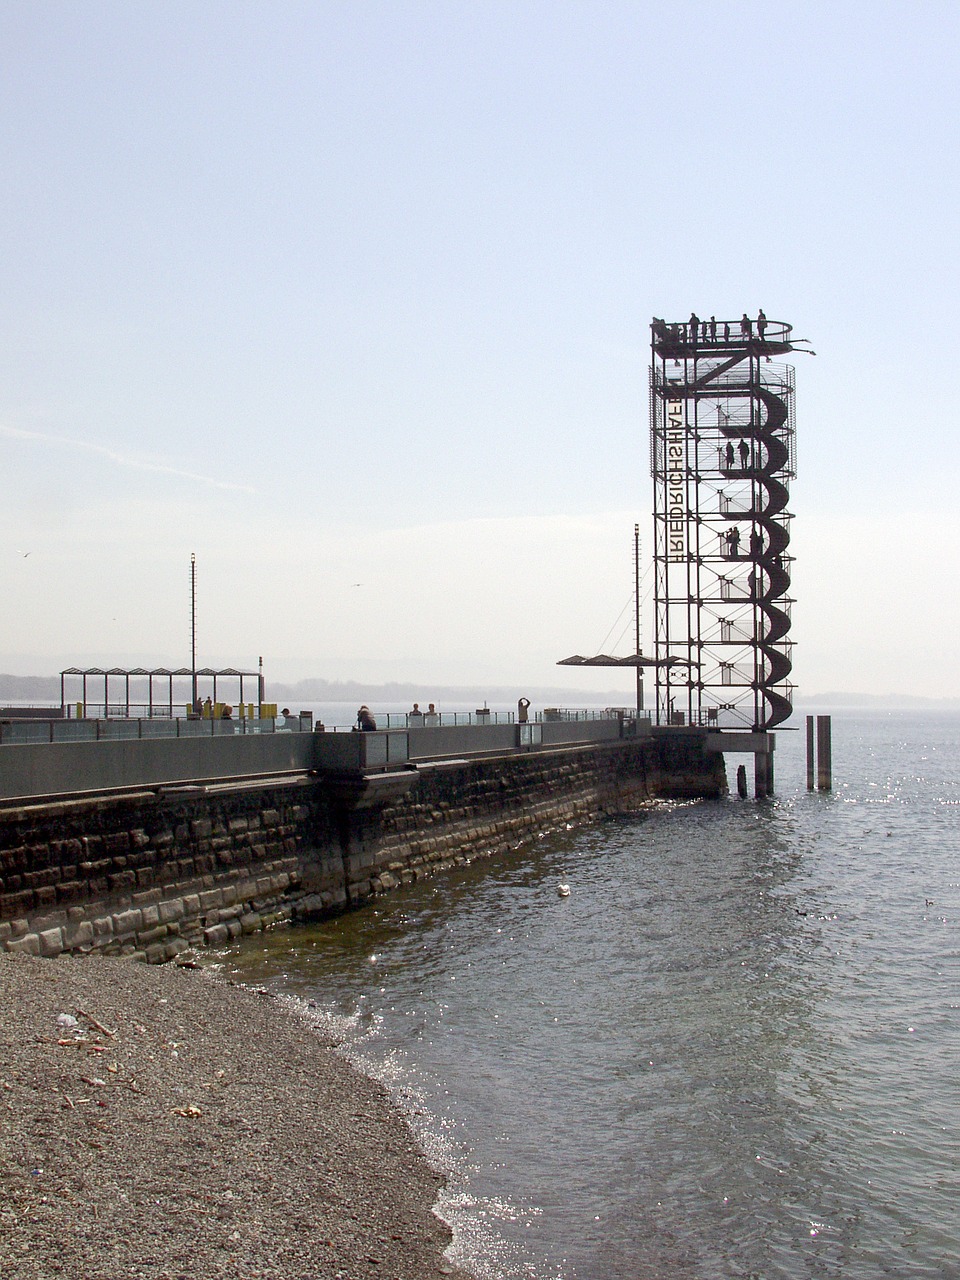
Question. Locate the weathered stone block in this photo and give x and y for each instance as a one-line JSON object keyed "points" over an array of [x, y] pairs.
{"points": [[216, 936], [29, 943], [80, 935], [51, 942], [148, 897], [127, 921], [210, 899], [149, 936], [172, 909]]}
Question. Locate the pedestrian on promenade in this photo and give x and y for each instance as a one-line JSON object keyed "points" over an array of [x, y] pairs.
{"points": [[365, 720]]}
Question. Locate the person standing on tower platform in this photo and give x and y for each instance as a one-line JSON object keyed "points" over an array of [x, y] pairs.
{"points": [[744, 455], [713, 328], [761, 324], [746, 326], [693, 327]]}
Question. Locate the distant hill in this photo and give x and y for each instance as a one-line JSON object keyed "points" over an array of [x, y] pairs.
{"points": [[317, 690], [20, 688], [875, 701], [43, 689]]}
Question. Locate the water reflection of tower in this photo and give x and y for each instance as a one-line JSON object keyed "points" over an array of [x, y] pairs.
{"points": [[722, 453]]}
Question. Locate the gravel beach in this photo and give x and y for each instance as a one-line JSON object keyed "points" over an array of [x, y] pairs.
{"points": [[160, 1123]]}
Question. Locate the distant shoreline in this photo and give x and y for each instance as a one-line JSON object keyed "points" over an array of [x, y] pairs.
{"points": [[46, 689]]}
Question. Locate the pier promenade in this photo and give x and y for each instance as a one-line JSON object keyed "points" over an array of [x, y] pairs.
{"points": [[151, 847]]}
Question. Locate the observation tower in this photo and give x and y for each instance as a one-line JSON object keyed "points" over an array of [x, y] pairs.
{"points": [[722, 451]]}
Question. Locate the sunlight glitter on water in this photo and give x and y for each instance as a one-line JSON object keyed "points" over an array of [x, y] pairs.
{"points": [[730, 1052]]}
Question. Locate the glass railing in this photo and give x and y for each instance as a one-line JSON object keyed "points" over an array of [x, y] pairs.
{"points": [[22, 732]]}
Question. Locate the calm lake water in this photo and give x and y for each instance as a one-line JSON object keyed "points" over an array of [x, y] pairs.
{"points": [[732, 1051]]}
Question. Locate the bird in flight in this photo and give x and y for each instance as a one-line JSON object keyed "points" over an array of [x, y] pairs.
{"points": [[24, 554]]}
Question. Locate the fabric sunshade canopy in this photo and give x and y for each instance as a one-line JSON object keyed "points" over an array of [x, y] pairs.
{"points": [[631, 660]]}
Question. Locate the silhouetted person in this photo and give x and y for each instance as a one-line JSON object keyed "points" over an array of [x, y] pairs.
{"points": [[713, 328], [756, 544], [523, 706], [746, 326], [761, 324], [744, 454], [365, 720], [730, 454], [726, 333], [693, 327], [733, 543]]}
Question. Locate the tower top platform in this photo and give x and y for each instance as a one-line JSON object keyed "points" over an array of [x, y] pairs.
{"points": [[712, 337]]}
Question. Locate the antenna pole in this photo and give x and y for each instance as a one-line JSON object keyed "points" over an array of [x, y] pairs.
{"points": [[636, 587], [193, 628]]}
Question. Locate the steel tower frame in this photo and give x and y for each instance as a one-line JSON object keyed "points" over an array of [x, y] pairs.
{"points": [[722, 449]]}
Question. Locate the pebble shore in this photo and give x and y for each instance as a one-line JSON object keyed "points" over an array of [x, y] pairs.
{"points": [[158, 1122]]}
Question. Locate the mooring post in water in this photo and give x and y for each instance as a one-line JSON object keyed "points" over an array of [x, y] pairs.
{"points": [[824, 755], [742, 781], [810, 767], [762, 774]]}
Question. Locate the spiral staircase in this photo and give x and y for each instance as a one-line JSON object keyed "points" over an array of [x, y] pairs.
{"points": [[724, 606]]}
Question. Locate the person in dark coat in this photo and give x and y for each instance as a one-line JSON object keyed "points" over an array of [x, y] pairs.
{"points": [[365, 720], [746, 326]]}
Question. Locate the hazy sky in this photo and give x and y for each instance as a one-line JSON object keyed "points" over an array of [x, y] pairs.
{"points": [[352, 300]]}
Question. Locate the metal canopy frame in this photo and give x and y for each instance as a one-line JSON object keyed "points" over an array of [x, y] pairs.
{"points": [[722, 448], [164, 674]]}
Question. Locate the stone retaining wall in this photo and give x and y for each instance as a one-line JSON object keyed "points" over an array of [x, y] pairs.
{"points": [[154, 874]]}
